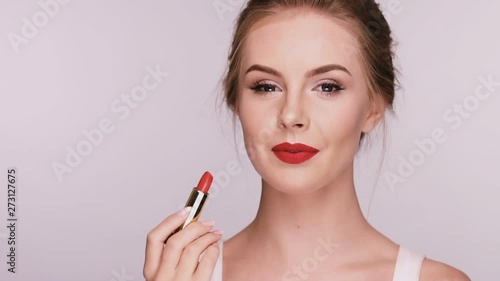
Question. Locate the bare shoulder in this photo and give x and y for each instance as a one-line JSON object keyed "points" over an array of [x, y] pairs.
{"points": [[433, 270]]}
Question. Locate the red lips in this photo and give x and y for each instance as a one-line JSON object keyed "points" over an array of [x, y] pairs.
{"points": [[294, 153]]}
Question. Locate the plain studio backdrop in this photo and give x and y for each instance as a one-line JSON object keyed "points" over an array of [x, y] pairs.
{"points": [[108, 113]]}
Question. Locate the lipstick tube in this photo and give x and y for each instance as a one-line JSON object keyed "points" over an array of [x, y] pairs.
{"points": [[196, 200]]}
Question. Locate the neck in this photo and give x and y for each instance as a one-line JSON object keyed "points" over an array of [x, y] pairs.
{"points": [[290, 226]]}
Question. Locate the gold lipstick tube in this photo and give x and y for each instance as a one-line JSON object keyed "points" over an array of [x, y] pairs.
{"points": [[197, 201]]}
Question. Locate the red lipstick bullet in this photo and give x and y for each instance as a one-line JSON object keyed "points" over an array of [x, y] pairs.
{"points": [[205, 182]]}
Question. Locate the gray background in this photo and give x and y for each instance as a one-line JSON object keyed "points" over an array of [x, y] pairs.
{"points": [[91, 224]]}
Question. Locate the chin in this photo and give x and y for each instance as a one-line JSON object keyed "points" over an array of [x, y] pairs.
{"points": [[291, 181]]}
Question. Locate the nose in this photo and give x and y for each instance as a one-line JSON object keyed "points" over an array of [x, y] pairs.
{"points": [[293, 115]]}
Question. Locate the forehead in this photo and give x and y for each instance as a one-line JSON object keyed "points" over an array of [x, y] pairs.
{"points": [[301, 39]]}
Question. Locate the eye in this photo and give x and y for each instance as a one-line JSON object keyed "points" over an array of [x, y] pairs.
{"points": [[330, 88], [263, 88]]}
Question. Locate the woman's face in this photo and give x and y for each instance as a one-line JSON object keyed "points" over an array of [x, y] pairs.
{"points": [[301, 81]]}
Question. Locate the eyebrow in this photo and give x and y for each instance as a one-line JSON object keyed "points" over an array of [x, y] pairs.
{"points": [[310, 73]]}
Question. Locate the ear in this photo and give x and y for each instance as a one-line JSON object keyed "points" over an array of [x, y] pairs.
{"points": [[375, 113]]}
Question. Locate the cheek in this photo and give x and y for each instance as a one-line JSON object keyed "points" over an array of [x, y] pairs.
{"points": [[256, 122], [341, 124]]}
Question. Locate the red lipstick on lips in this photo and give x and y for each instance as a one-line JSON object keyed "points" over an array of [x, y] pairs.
{"points": [[294, 153], [196, 200]]}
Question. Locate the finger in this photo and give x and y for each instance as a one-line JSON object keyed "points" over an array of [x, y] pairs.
{"points": [[175, 245], [208, 262], [191, 255], [156, 238]]}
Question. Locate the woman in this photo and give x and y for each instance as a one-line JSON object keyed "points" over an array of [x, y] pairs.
{"points": [[307, 80]]}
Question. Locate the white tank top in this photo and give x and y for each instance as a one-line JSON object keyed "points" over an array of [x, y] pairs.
{"points": [[408, 265]]}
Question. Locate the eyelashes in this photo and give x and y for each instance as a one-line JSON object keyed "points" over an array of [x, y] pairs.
{"points": [[262, 88]]}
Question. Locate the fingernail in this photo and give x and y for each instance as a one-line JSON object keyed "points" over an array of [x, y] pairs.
{"points": [[184, 211], [219, 231], [208, 223]]}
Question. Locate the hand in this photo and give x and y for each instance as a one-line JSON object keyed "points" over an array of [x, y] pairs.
{"points": [[179, 257]]}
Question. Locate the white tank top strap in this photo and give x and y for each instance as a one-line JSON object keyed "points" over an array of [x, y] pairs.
{"points": [[217, 273], [408, 265]]}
